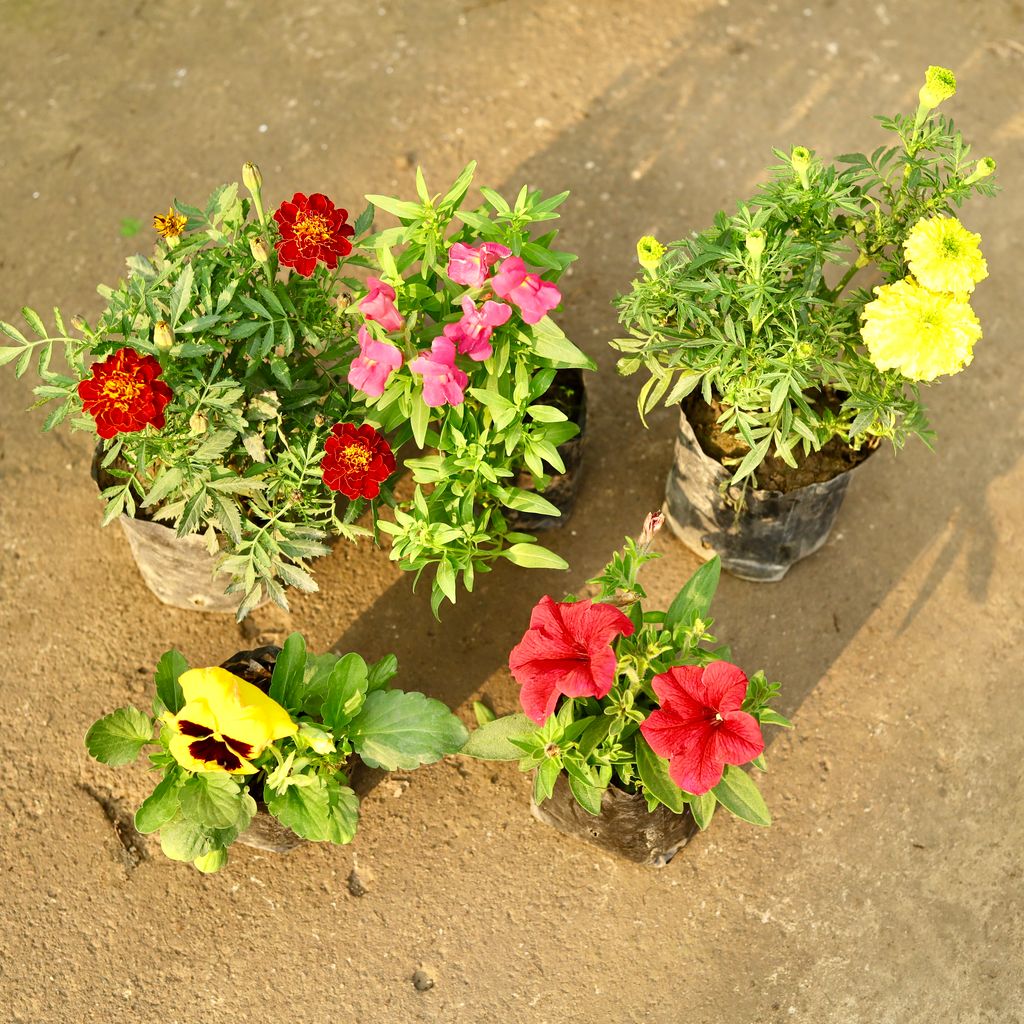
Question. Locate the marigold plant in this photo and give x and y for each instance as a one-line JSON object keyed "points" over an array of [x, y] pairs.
{"points": [[758, 312]]}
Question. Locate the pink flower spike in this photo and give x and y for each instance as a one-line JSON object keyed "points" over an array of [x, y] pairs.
{"points": [[534, 296], [376, 362], [379, 305], [443, 382], [470, 266], [472, 334]]}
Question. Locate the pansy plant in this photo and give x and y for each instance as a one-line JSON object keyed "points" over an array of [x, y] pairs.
{"points": [[643, 700], [226, 748]]}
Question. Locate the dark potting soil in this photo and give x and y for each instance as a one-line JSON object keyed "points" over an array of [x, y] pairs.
{"points": [[773, 474]]}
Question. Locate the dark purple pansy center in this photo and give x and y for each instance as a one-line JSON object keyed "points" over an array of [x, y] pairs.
{"points": [[223, 751]]}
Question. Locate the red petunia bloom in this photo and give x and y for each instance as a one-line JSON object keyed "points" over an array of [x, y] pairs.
{"points": [[358, 460], [124, 395], [312, 229], [567, 650], [699, 726]]}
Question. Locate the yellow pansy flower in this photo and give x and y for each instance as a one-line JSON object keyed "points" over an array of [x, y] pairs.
{"points": [[921, 333], [225, 722], [944, 256]]}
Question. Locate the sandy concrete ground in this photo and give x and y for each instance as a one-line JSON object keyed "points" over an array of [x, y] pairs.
{"points": [[889, 888]]}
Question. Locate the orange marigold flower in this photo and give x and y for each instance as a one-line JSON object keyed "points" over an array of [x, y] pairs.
{"points": [[170, 224], [124, 395]]}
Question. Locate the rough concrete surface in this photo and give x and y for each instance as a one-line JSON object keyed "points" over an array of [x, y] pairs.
{"points": [[888, 890]]}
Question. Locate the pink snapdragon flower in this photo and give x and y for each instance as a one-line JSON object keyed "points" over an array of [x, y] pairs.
{"points": [[470, 266], [472, 334], [534, 296], [443, 382], [379, 305], [376, 362]]}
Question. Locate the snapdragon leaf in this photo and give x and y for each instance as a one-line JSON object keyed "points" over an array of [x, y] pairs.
{"points": [[654, 775], [549, 342], [160, 806], [738, 793], [403, 730], [491, 742], [120, 736]]}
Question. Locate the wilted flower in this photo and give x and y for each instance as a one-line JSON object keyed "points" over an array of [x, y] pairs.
{"points": [[169, 225], [258, 250]]}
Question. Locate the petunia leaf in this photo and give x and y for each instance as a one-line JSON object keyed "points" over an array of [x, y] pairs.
{"points": [[654, 775], [694, 600], [587, 796], [213, 799], [160, 806], [287, 681], [403, 730], [702, 807], [119, 737], [170, 666], [738, 794], [346, 691], [545, 779], [491, 741]]}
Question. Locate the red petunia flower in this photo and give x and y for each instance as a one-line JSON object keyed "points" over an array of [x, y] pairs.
{"points": [[699, 726], [124, 395], [567, 650], [358, 460], [312, 228]]}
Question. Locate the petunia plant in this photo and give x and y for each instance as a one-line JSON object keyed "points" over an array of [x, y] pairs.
{"points": [[458, 354], [759, 315], [227, 748], [614, 694], [214, 381]]}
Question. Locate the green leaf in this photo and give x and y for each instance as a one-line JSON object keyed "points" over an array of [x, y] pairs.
{"points": [[549, 342], [403, 730], [170, 666], [491, 741], [286, 683], [342, 813], [346, 691], [382, 672], [420, 418], [545, 779], [533, 556], [738, 794], [160, 806], [306, 810], [529, 501], [766, 716], [120, 736], [654, 775], [697, 593], [181, 295], [185, 840], [588, 797], [702, 807], [483, 714], [211, 798], [397, 207]]}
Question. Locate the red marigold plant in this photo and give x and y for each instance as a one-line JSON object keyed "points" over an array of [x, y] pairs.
{"points": [[215, 380], [643, 700], [458, 354]]}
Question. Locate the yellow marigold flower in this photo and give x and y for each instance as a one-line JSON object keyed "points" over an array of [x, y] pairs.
{"points": [[225, 722], [921, 333], [170, 224], [944, 256], [649, 251], [939, 85]]}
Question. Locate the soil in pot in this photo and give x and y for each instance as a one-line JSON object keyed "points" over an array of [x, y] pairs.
{"points": [[568, 394], [624, 827]]}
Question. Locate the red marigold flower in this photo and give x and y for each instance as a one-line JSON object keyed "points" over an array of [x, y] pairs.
{"points": [[312, 228], [567, 650], [358, 460], [124, 395], [699, 726]]}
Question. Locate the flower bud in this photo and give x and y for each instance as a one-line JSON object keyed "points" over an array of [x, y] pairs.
{"points": [[755, 243], [198, 423], [163, 336], [343, 301], [78, 322], [939, 85], [321, 741], [652, 524], [800, 159], [649, 251], [982, 169], [258, 250], [210, 862], [251, 177]]}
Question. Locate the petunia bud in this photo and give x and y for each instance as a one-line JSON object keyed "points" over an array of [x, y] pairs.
{"points": [[649, 251], [755, 243], [163, 336], [251, 177], [210, 862], [258, 250], [198, 423], [939, 85], [800, 159], [652, 524], [982, 169]]}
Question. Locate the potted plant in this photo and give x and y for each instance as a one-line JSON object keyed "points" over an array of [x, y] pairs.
{"points": [[459, 356], [214, 379], [263, 748], [635, 723], [788, 376]]}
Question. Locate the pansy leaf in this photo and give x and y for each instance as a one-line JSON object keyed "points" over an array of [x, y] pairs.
{"points": [[286, 684], [382, 672], [346, 691], [182, 839], [168, 669], [694, 600], [491, 742], [342, 813], [654, 775], [160, 806], [399, 730], [119, 737], [306, 810], [211, 798], [738, 794], [702, 807]]}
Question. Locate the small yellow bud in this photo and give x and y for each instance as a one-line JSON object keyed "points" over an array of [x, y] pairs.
{"points": [[258, 250], [198, 423], [755, 243], [78, 322], [649, 251], [251, 177], [163, 336], [210, 862], [343, 301], [982, 169], [939, 85], [800, 159]]}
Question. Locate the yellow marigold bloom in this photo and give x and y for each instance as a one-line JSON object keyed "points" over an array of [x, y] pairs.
{"points": [[225, 722], [944, 256], [939, 85], [169, 224], [649, 251], [921, 333]]}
